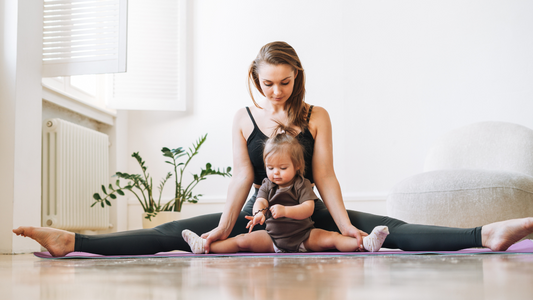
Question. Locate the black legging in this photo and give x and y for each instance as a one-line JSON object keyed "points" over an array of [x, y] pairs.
{"points": [[167, 237]]}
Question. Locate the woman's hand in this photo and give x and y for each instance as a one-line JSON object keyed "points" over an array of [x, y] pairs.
{"points": [[278, 211], [259, 218], [214, 235], [352, 231]]}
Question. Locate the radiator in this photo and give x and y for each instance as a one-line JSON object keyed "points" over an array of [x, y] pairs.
{"points": [[75, 164]]}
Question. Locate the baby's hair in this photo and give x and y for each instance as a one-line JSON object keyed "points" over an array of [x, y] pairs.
{"points": [[283, 140]]}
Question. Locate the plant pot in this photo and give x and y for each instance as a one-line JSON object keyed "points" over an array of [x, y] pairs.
{"points": [[161, 218]]}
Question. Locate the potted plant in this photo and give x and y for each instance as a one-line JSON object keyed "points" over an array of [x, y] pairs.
{"points": [[141, 185]]}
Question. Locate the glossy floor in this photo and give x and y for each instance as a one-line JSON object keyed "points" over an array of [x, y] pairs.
{"points": [[365, 277]]}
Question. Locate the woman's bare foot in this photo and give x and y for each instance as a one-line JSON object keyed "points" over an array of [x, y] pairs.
{"points": [[57, 242], [501, 235]]}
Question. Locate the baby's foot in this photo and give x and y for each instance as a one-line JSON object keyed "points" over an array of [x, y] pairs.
{"points": [[196, 243], [375, 239]]}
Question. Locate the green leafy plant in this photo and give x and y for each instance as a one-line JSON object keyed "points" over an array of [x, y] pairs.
{"points": [[141, 185]]}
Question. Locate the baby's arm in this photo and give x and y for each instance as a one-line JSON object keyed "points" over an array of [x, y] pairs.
{"points": [[259, 209], [260, 205], [297, 212]]}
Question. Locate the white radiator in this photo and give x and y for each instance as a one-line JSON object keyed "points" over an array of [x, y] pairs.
{"points": [[75, 165]]}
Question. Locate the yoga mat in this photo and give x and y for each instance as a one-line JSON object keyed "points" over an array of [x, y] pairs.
{"points": [[523, 247]]}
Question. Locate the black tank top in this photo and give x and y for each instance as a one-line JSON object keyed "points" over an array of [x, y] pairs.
{"points": [[256, 143]]}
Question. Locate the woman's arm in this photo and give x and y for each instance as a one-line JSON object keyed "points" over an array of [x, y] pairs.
{"points": [[324, 173], [240, 183]]}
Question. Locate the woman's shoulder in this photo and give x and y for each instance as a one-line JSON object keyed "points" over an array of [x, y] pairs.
{"points": [[319, 112], [247, 113], [243, 111], [319, 119], [244, 122], [241, 117]]}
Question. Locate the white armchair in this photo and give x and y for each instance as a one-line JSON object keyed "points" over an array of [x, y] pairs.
{"points": [[475, 175]]}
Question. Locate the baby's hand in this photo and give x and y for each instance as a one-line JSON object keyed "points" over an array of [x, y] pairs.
{"points": [[259, 218], [277, 211]]}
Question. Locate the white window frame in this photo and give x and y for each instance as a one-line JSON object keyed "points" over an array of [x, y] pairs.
{"points": [[176, 104], [63, 86]]}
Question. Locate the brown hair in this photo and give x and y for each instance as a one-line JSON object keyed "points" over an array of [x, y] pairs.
{"points": [[283, 140], [281, 53]]}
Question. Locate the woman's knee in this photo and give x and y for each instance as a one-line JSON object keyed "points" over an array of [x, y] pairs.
{"points": [[198, 225]]}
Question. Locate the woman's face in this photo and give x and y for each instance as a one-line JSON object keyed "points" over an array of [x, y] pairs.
{"points": [[277, 82]]}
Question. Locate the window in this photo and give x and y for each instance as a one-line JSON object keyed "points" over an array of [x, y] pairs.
{"points": [[156, 64], [84, 88], [84, 37], [155, 79]]}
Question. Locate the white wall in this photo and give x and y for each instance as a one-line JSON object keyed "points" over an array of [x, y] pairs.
{"points": [[416, 70], [394, 76], [20, 121]]}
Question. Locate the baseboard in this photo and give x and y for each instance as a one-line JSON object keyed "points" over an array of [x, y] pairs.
{"points": [[357, 197], [351, 197], [374, 203]]}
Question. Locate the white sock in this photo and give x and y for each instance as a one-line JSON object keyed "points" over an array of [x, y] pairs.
{"points": [[375, 239], [195, 242]]}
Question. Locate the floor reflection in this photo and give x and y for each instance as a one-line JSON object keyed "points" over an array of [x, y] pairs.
{"points": [[508, 277], [376, 277], [289, 278]]}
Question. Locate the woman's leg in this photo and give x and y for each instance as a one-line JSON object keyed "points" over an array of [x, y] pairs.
{"points": [[497, 236], [165, 237], [57, 242], [409, 237]]}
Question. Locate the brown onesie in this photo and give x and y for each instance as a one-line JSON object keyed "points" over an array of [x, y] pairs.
{"points": [[286, 233]]}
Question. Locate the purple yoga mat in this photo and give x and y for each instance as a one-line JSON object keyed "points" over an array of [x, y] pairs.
{"points": [[525, 246]]}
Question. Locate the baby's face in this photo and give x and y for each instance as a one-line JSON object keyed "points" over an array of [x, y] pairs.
{"points": [[280, 169]]}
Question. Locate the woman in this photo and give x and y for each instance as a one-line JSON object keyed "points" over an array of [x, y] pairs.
{"points": [[278, 75], [285, 203]]}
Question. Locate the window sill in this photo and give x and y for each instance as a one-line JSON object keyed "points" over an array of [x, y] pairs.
{"points": [[106, 116]]}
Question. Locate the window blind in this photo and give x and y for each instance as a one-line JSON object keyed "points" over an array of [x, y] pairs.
{"points": [[155, 79], [84, 37]]}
